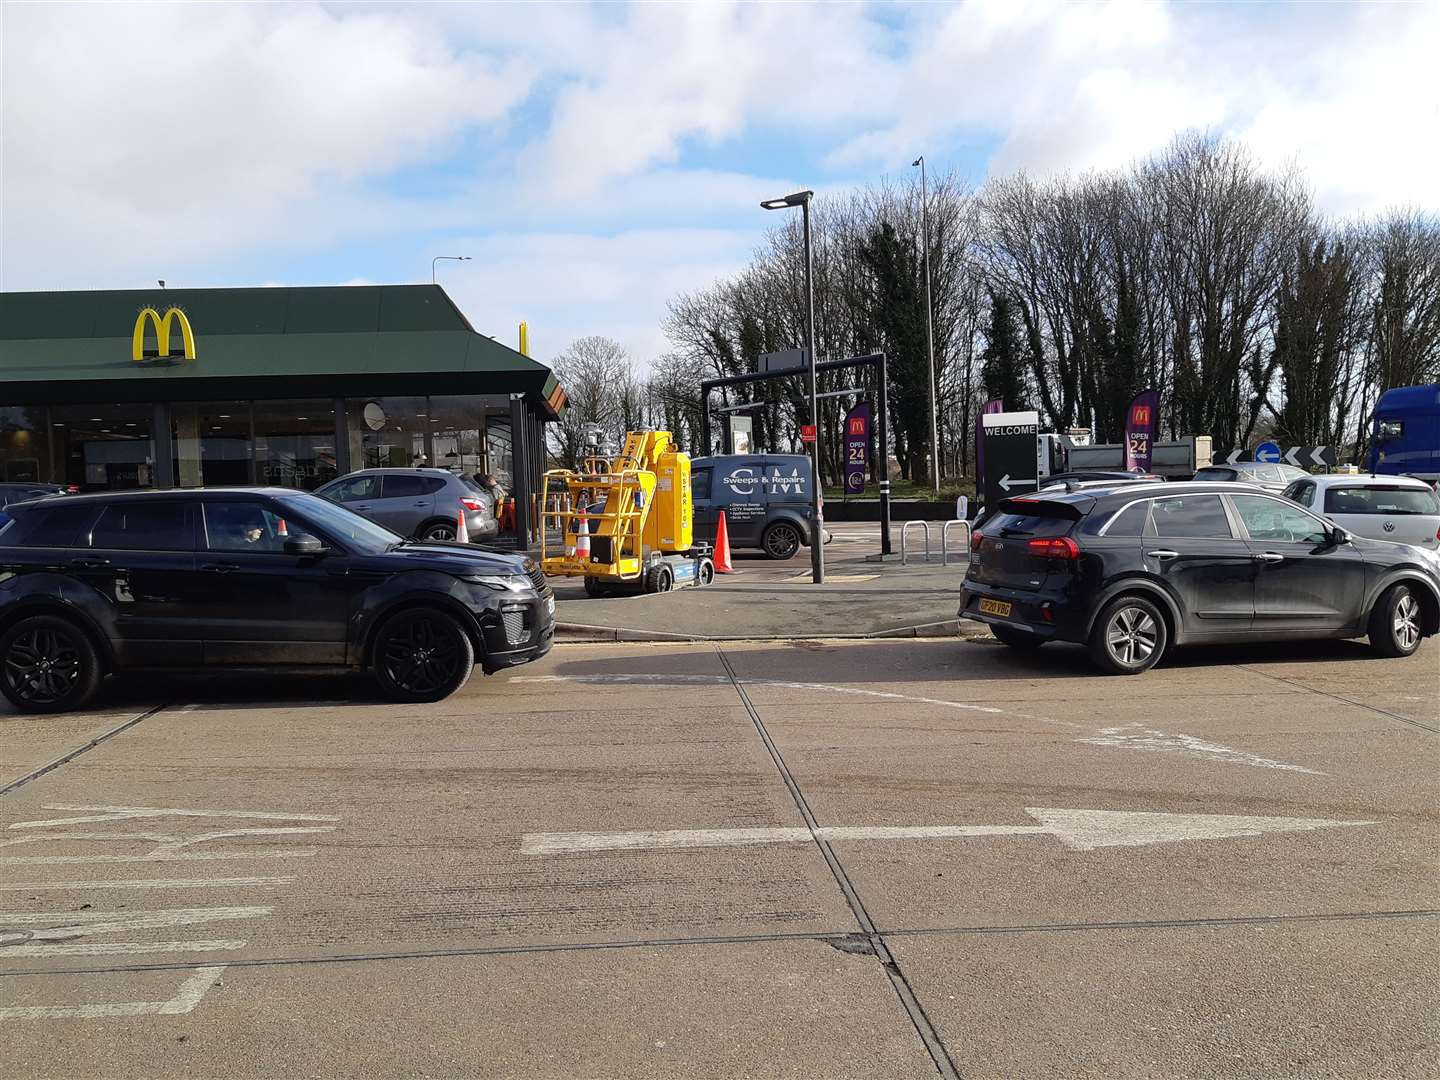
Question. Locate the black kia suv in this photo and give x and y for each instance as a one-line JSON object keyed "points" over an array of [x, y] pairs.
{"points": [[91, 584], [1133, 569]]}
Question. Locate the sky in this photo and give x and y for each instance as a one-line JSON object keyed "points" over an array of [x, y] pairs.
{"points": [[594, 160]]}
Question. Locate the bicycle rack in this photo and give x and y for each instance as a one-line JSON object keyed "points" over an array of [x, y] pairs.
{"points": [[944, 539], [904, 535]]}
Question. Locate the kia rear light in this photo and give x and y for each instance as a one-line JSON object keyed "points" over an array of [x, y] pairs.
{"points": [[1054, 547], [472, 504], [975, 538]]}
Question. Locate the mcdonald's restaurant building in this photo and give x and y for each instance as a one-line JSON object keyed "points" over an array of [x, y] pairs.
{"points": [[183, 388]]}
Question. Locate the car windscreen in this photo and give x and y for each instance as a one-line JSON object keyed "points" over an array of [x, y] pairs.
{"points": [[1380, 500], [1215, 474], [355, 532]]}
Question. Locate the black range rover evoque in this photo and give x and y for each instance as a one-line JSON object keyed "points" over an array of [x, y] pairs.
{"points": [[1133, 569], [91, 584]]}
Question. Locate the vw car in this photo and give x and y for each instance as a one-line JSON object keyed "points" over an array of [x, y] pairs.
{"points": [[423, 503], [1136, 569], [245, 578], [1400, 509]]}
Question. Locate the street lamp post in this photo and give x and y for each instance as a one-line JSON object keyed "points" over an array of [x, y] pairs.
{"points": [[817, 513], [929, 325], [437, 258]]}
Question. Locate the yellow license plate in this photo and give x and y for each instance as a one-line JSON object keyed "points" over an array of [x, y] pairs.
{"points": [[995, 607]]}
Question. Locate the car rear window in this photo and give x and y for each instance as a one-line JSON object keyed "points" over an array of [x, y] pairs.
{"points": [[408, 487], [1036, 518], [700, 483], [50, 526], [1130, 521], [142, 526], [1215, 474], [1194, 516], [1380, 500]]}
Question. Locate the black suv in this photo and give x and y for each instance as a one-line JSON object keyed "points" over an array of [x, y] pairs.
{"points": [[1132, 569], [249, 578]]}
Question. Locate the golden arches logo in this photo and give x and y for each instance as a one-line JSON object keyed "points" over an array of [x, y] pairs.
{"points": [[150, 317]]}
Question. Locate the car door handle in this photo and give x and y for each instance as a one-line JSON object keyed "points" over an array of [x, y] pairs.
{"points": [[89, 564], [1163, 553], [361, 506], [422, 502], [220, 567], [1268, 556]]}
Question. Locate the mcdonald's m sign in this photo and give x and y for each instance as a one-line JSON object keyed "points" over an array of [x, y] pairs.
{"points": [[1140, 417], [149, 318]]}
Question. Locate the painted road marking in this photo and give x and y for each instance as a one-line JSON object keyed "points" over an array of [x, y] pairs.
{"points": [[1149, 739], [151, 883], [724, 680], [73, 924], [122, 948], [1188, 745], [129, 813], [185, 999], [1078, 830], [58, 933]]}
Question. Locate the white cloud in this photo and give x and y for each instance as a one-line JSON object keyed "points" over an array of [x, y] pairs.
{"points": [[195, 130], [598, 159], [570, 285]]}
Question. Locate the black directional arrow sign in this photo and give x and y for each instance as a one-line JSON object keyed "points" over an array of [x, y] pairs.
{"points": [[1010, 455]]}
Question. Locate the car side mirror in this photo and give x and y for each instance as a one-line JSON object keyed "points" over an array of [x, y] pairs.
{"points": [[304, 545], [1339, 536]]}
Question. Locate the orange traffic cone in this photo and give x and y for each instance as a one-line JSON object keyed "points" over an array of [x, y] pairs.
{"points": [[462, 534], [722, 548], [280, 529], [582, 540]]}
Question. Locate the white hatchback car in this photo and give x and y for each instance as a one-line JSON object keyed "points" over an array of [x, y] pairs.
{"points": [[1395, 508]]}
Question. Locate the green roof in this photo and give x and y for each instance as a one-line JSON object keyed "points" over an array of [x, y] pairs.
{"points": [[48, 337]]}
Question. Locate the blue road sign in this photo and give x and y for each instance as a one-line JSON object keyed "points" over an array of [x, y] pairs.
{"points": [[1267, 451]]}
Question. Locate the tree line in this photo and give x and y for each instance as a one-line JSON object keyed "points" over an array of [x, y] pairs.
{"points": [[1196, 271]]}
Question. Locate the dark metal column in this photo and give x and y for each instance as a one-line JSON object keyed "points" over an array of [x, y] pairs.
{"points": [[164, 447], [520, 469], [342, 438]]}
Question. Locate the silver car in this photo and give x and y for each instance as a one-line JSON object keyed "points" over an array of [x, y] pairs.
{"points": [[1263, 474], [423, 503], [1395, 508]]}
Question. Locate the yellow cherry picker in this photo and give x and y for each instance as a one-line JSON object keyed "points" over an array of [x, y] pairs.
{"points": [[627, 525]]}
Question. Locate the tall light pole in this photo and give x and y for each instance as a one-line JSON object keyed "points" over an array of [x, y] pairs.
{"points": [[817, 514], [929, 325], [437, 258]]}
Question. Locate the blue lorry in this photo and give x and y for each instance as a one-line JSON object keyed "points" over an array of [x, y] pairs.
{"points": [[1405, 433]]}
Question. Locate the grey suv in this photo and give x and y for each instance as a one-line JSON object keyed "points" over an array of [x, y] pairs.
{"points": [[423, 503]]}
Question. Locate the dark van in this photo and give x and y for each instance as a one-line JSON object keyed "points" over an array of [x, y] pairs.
{"points": [[766, 499]]}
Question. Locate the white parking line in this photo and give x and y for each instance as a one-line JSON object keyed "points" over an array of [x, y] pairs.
{"points": [[151, 883], [130, 813], [185, 999], [122, 948]]}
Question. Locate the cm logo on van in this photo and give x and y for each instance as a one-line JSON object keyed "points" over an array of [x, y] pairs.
{"points": [[745, 481]]}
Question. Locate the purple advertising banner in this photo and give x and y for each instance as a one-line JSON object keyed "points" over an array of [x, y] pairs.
{"points": [[857, 447], [1141, 419], [990, 407]]}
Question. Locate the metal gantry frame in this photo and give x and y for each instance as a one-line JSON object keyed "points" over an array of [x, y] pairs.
{"points": [[882, 421]]}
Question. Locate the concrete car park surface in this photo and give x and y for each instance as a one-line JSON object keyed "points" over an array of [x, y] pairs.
{"points": [[809, 859]]}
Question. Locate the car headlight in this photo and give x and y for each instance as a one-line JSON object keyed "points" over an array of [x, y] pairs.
{"points": [[501, 582]]}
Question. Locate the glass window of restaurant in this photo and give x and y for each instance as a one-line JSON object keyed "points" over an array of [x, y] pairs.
{"points": [[24, 444], [213, 444], [294, 443], [387, 432], [105, 447]]}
